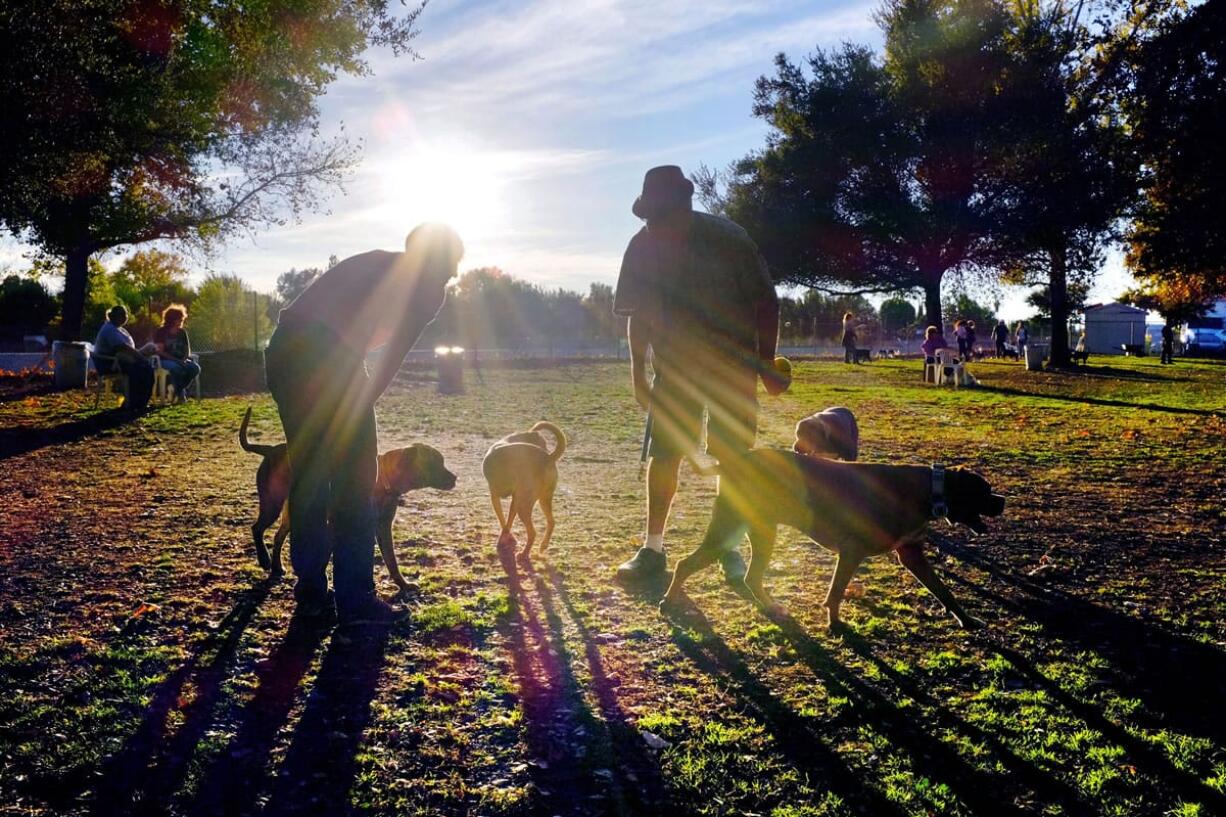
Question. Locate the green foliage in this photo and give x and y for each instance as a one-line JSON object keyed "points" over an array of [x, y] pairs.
{"points": [[227, 314], [118, 117], [896, 313], [874, 170], [1177, 240], [25, 305], [148, 281], [963, 307], [488, 308], [817, 316]]}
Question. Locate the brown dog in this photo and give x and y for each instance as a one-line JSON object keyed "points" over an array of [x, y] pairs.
{"points": [[400, 470], [831, 433], [855, 509], [521, 467]]}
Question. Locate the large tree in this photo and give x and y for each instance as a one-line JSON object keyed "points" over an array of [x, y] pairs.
{"points": [[1067, 169], [872, 176], [1176, 106], [136, 120]]}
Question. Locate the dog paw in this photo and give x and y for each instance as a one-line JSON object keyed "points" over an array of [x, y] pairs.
{"points": [[672, 607], [774, 609], [277, 573], [261, 556], [524, 557], [507, 540], [838, 627]]}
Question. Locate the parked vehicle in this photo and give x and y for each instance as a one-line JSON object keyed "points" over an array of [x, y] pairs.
{"points": [[1204, 335]]}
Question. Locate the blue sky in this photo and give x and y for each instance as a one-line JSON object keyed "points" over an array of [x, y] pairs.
{"points": [[529, 124]]}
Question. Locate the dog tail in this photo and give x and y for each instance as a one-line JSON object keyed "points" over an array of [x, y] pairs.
{"points": [[254, 448], [558, 437]]}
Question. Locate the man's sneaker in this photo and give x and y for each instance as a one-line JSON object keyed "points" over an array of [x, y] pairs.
{"points": [[318, 612], [734, 567], [647, 566], [373, 612]]}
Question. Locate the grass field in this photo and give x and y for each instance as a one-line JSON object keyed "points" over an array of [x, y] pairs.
{"points": [[147, 667]]}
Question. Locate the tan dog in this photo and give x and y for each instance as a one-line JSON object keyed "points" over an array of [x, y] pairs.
{"points": [[521, 467], [831, 433], [400, 470], [856, 510]]}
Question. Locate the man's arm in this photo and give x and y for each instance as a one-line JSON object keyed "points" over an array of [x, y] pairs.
{"points": [[638, 334], [392, 357]]}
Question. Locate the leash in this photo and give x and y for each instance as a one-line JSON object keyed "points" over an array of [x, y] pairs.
{"points": [[940, 508]]}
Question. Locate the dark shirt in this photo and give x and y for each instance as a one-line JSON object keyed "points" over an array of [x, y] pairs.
{"points": [[175, 343], [700, 294]]}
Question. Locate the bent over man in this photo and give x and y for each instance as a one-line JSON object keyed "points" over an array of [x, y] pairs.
{"points": [[315, 363], [698, 294]]}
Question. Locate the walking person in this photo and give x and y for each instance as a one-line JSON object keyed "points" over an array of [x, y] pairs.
{"points": [[698, 295], [849, 338], [316, 369], [1168, 343], [971, 339], [1001, 335], [960, 337], [1021, 337]]}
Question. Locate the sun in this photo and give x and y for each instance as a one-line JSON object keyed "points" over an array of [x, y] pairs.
{"points": [[458, 187]]}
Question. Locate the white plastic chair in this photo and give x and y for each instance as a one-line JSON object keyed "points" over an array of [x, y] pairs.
{"points": [[950, 368]]}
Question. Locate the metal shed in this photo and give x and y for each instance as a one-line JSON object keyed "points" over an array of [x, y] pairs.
{"points": [[1110, 326]]}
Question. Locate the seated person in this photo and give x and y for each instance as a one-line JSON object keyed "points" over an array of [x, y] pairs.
{"points": [[175, 349], [113, 341], [933, 340]]}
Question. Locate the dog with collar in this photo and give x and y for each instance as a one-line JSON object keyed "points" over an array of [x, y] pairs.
{"points": [[832, 433], [857, 510], [400, 470]]}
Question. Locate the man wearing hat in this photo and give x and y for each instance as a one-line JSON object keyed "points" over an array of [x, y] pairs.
{"points": [[697, 293]]}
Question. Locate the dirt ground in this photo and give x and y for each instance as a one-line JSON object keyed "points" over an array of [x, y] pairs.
{"points": [[147, 666]]}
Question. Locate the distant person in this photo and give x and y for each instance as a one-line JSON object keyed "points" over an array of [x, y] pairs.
{"points": [[1020, 338], [698, 294], [175, 349], [960, 337], [849, 338], [1001, 335], [316, 370], [1168, 343], [113, 341], [933, 340], [971, 339]]}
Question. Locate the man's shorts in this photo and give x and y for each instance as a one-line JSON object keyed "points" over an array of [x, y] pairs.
{"points": [[677, 409]]}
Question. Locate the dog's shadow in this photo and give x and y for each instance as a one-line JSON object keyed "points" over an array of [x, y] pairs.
{"points": [[556, 710]]}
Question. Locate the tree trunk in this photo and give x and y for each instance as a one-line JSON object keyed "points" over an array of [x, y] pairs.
{"points": [[932, 301], [1059, 307], [76, 281]]}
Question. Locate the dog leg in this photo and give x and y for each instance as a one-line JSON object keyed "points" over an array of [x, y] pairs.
{"points": [[278, 540], [726, 528], [261, 551], [388, 550], [761, 547], [911, 556], [547, 509], [844, 569], [505, 537], [524, 508]]}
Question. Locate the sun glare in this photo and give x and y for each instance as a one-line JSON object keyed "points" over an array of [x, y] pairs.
{"points": [[461, 188]]}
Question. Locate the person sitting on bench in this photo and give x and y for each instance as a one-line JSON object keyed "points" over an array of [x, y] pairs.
{"points": [[113, 341]]}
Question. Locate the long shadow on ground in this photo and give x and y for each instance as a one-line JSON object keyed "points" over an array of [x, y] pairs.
{"points": [[321, 764], [580, 763], [15, 442], [148, 770], [1177, 679], [796, 739], [233, 779], [1101, 401]]}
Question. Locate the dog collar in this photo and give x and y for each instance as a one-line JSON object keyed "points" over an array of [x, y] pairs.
{"points": [[940, 509]]}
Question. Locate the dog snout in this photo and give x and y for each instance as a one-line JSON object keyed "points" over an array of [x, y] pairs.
{"points": [[996, 505]]}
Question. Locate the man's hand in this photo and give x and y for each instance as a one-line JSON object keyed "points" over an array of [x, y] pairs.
{"points": [[642, 388]]}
